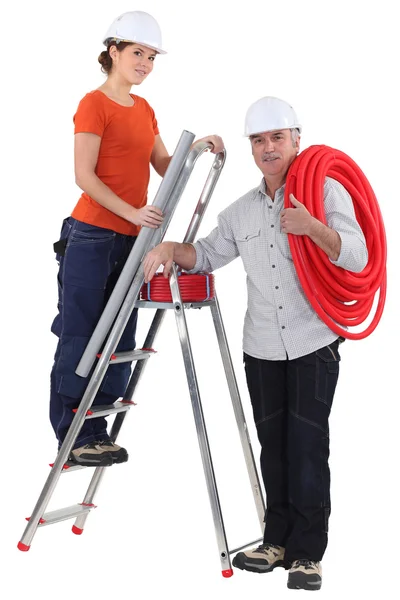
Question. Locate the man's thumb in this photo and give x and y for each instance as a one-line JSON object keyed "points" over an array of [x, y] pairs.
{"points": [[294, 201]]}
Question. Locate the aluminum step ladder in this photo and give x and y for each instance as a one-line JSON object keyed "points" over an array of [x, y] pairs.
{"points": [[110, 328]]}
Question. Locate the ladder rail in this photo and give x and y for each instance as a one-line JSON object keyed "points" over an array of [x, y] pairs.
{"points": [[168, 195], [239, 412], [200, 424], [148, 238], [205, 197], [158, 319]]}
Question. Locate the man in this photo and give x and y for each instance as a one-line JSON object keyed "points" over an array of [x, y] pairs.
{"points": [[291, 357]]}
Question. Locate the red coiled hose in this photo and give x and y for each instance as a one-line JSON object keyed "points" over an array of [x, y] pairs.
{"points": [[340, 298], [192, 287]]}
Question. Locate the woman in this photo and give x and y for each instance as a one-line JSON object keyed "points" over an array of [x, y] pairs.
{"points": [[116, 140]]}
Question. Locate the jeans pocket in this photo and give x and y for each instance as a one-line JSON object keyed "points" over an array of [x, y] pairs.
{"points": [[70, 352], [83, 233], [327, 373], [88, 255]]}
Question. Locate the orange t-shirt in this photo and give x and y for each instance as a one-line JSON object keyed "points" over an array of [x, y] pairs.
{"points": [[127, 139]]}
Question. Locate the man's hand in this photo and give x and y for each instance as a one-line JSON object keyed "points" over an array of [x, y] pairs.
{"points": [[296, 220], [215, 140], [163, 254]]}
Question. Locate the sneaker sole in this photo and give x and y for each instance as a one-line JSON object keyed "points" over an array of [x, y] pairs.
{"points": [[301, 581], [119, 459], [240, 562], [86, 462]]}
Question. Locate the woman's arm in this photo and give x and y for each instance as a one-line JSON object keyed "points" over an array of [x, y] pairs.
{"points": [[86, 154], [160, 158]]}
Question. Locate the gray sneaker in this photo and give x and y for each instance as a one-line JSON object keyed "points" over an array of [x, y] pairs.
{"points": [[91, 455], [118, 454], [260, 560], [305, 575]]}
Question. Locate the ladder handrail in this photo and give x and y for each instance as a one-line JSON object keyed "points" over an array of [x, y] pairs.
{"points": [[205, 197], [167, 198]]}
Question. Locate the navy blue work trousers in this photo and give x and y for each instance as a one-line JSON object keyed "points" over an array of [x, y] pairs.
{"points": [[291, 402], [90, 262]]}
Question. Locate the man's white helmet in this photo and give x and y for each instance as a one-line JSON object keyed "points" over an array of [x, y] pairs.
{"points": [[269, 114], [138, 27]]}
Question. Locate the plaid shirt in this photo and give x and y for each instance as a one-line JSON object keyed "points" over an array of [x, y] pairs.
{"points": [[280, 322]]}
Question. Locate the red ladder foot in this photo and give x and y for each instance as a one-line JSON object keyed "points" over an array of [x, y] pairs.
{"points": [[23, 547], [227, 573], [76, 530]]}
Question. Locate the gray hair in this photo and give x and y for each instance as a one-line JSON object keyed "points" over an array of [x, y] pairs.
{"points": [[295, 134]]}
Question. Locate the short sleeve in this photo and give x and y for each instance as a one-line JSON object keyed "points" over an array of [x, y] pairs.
{"points": [[90, 116], [153, 120], [155, 125]]}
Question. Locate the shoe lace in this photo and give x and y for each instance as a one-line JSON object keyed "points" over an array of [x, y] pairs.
{"points": [[267, 547], [90, 445], [305, 562]]}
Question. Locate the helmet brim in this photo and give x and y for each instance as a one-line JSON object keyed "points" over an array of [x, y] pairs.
{"points": [[107, 41]]}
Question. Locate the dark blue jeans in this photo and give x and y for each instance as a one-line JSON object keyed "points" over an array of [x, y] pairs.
{"points": [[291, 402], [90, 264]]}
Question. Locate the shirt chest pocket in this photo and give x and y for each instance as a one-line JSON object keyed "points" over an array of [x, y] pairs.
{"points": [[248, 241], [248, 235]]}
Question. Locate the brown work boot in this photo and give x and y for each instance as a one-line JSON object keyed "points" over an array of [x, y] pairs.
{"points": [[91, 455], [260, 560], [119, 455], [305, 575]]}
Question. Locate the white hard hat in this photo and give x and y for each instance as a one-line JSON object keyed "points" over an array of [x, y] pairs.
{"points": [[269, 114], [138, 27]]}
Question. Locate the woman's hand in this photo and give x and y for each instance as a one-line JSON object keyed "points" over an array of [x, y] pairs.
{"points": [[215, 140], [148, 216]]}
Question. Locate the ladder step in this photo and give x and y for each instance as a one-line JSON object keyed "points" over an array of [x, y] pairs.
{"points": [[65, 513], [171, 305], [69, 466], [130, 355], [108, 409]]}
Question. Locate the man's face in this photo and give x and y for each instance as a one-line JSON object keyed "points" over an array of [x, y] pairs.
{"points": [[274, 151]]}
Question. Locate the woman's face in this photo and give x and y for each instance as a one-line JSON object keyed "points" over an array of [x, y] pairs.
{"points": [[133, 63]]}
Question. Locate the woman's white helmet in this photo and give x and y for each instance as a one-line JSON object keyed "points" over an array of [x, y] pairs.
{"points": [[137, 27], [269, 114]]}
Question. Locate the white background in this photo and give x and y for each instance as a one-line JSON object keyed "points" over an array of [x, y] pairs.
{"points": [[152, 535]]}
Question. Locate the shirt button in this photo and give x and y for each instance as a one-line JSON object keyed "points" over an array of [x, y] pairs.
{"points": [[272, 245], [269, 206], [277, 287], [280, 307], [273, 266], [272, 225], [283, 327]]}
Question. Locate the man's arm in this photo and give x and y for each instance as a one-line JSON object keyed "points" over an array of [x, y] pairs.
{"points": [[207, 254], [184, 255], [342, 239], [326, 238], [298, 221]]}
